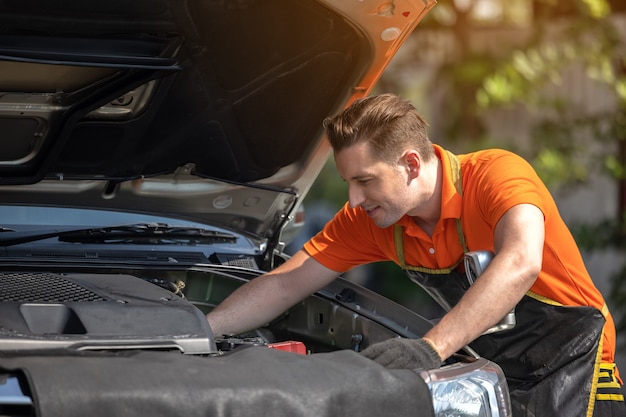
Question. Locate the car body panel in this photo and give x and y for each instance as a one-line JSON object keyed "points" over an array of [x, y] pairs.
{"points": [[193, 108]]}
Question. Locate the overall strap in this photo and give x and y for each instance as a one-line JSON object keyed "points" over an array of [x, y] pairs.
{"points": [[455, 174]]}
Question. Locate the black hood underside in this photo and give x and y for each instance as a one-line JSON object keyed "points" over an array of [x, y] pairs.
{"points": [[125, 89]]}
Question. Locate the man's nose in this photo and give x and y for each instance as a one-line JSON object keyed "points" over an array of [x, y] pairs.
{"points": [[355, 196]]}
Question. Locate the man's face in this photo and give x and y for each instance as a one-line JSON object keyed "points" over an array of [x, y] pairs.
{"points": [[381, 189]]}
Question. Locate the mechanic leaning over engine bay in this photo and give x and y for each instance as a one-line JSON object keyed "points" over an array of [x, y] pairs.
{"points": [[414, 203]]}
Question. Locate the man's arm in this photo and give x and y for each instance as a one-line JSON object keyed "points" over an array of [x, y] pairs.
{"points": [[518, 243], [266, 297]]}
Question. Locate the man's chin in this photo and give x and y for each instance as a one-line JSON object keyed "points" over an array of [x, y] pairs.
{"points": [[383, 222], [380, 218], [387, 221]]}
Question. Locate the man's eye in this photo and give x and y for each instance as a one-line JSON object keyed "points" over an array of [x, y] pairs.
{"points": [[365, 181]]}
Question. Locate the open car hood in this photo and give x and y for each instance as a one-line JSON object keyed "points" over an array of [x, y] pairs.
{"points": [[205, 110]]}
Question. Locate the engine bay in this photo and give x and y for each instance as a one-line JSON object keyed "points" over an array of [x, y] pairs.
{"points": [[102, 332], [126, 309]]}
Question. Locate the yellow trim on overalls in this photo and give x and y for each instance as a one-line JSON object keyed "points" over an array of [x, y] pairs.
{"points": [[610, 397], [455, 175], [594, 379], [607, 370], [543, 299], [604, 310], [598, 366]]}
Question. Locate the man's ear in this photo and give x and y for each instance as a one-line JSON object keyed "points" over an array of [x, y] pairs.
{"points": [[411, 160]]}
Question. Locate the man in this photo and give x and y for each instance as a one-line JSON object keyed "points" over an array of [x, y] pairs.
{"points": [[419, 205]]}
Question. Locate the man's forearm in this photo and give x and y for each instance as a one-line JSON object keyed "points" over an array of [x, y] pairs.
{"points": [[266, 297], [247, 308], [518, 243], [477, 311]]}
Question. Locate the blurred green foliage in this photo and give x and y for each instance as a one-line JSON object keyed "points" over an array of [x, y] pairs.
{"points": [[568, 144]]}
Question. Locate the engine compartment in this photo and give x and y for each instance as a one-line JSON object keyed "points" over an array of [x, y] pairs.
{"points": [[119, 308], [102, 332]]}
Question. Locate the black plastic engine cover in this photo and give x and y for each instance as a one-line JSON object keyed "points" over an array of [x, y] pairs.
{"points": [[43, 310]]}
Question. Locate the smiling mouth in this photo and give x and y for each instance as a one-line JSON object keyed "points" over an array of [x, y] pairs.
{"points": [[372, 210]]}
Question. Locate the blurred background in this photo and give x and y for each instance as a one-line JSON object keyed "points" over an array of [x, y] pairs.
{"points": [[545, 79]]}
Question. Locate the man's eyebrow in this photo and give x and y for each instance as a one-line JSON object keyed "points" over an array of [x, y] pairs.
{"points": [[362, 176]]}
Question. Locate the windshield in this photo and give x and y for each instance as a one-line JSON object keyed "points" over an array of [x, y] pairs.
{"points": [[57, 216], [41, 226]]}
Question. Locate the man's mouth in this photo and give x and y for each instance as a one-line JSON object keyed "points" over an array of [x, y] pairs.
{"points": [[372, 211]]}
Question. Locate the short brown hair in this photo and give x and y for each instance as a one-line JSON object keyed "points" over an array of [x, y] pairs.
{"points": [[386, 121]]}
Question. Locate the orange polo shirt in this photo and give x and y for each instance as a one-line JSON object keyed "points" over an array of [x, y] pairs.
{"points": [[493, 182]]}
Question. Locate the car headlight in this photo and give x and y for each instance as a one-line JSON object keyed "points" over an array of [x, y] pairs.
{"points": [[475, 389]]}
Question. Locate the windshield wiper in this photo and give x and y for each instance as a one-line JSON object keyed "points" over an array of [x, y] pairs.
{"points": [[140, 233]]}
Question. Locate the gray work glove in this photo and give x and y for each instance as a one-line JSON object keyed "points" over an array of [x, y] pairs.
{"points": [[399, 353]]}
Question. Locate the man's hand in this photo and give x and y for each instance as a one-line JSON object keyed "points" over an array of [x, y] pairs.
{"points": [[399, 353]]}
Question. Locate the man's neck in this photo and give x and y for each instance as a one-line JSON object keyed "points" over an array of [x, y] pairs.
{"points": [[431, 209]]}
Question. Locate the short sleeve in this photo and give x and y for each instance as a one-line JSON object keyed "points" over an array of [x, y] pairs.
{"points": [[499, 182], [349, 239]]}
